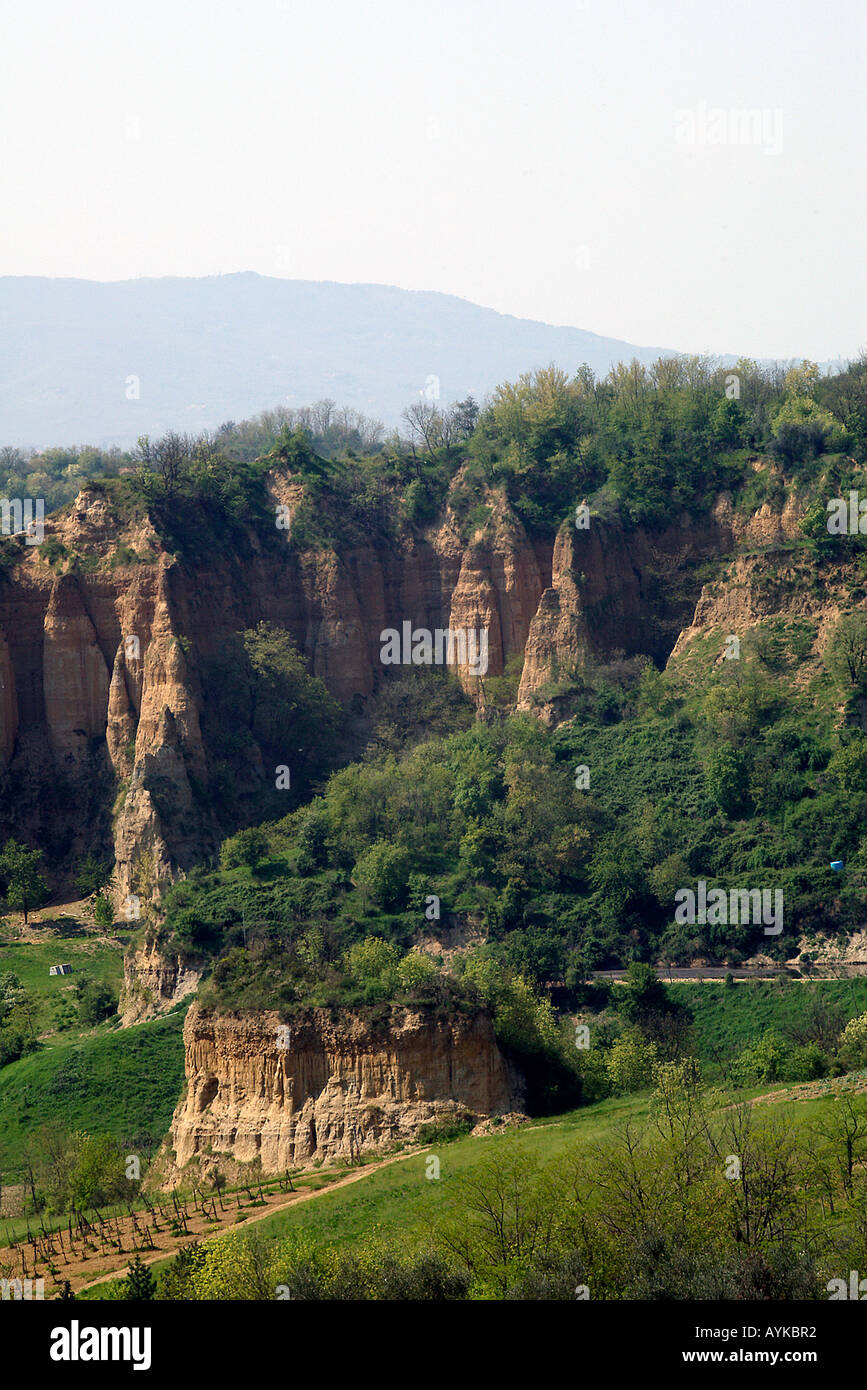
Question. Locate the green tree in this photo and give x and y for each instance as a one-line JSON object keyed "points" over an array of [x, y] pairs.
{"points": [[103, 912], [728, 779], [814, 522], [373, 962], [12, 993], [92, 876], [844, 1128], [95, 1001], [311, 840], [248, 847], [765, 1060], [98, 1172], [382, 873], [415, 970], [654, 694], [630, 1062], [293, 450], [77, 1169], [853, 1042], [17, 1006], [800, 423], [847, 651], [849, 766], [19, 868], [260, 691], [504, 1214], [642, 994], [140, 1284], [174, 1282]]}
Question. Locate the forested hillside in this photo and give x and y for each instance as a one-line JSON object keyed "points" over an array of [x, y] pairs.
{"points": [[391, 887]]}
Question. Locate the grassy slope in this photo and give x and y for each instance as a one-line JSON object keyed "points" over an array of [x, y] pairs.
{"points": [[130, 1081], [87, 954], [400, 1203], [125, 1083], [726, 1020]]}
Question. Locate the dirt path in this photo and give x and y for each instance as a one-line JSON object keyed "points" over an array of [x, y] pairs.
{"points": [[855, 1082], [852, 1081], [168, 1244]]}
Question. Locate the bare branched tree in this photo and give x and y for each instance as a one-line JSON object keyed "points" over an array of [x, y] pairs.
{"points": [[425, 426]]}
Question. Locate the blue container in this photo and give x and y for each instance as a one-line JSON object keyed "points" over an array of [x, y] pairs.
{"points": [[837, 865]]}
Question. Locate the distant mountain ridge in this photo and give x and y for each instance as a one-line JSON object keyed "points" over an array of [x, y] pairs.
{"points": [[89, 362]]}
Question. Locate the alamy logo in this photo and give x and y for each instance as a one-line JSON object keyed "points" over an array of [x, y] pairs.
{"points": [[856, 1289], [19, 1290], [847, 519], [714, 125], [444, 646], [738, 907], [76, 1343], [17, 517]]}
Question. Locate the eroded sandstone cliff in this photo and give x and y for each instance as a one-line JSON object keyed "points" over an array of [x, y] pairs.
{"points": [[154, 982], [104, 683], [321, 1088]]}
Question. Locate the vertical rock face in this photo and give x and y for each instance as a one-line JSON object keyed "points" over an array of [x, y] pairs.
{"points": [[493, 582], [8, 704], [153, 982], [335, 632], [75, 678], [319, 1088], [498, 590], [613, 592], [121, 722], [102, 671], [159, 825]]}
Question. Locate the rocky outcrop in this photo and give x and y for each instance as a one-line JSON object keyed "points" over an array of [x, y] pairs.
{"points": [[498, 587], [104, 669], [153, 982], [751, 593], [159, 817], [75, 678], [614, 592], [768, 525], [321, 1088]]}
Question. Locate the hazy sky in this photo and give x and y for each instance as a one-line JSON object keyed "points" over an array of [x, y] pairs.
{"points": [[577, 162]]}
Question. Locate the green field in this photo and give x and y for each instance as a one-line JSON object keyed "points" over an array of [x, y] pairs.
{"points": [[127, 1082], [401, 1201], [87, 953], [726, 1020], [400, 1204], [124, 1082]]}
